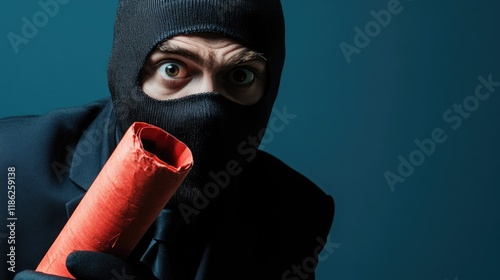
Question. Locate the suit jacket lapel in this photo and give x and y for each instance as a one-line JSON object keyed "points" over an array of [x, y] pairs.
{"points": [[91, 152], [94, 148]]}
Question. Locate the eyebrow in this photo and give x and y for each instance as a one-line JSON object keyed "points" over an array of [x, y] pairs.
{"points": [[243, 57]]}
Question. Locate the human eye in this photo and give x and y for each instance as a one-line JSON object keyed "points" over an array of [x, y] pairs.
{"points": [[241, 76], [173, 70]]}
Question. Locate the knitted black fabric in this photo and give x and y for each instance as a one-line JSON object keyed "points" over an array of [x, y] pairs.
{"points": [[208, 123]]}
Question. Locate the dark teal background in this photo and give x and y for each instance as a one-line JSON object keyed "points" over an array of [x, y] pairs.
{"points": [[353, 121]]}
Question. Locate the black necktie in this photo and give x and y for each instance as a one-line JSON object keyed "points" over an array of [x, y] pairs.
{"points": [[177, 249], [159, 254]]}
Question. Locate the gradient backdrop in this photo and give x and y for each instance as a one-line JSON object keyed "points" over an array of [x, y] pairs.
{"points": [[354, 121]]}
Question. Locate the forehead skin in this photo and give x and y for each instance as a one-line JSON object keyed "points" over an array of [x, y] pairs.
{"points": [[210, 49]]}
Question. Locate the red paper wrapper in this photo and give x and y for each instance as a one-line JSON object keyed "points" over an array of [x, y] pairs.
{"points": [[135, 184]]}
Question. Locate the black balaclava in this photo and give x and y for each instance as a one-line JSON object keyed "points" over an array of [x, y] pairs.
{"points": [[211, 125]]}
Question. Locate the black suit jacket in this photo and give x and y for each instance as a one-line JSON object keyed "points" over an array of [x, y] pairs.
{"points": [[272, 226]]}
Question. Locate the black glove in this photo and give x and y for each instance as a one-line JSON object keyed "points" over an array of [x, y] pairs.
{"points": [[86, 265]]}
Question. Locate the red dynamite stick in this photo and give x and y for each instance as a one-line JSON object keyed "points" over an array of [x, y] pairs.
{"points": [[135, 184]]}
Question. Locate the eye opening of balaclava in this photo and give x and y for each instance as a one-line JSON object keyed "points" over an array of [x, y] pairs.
{"points": [[150, 69], [213, 127]]}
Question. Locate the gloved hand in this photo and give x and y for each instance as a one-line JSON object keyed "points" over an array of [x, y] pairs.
{"points": [[86, 265]]}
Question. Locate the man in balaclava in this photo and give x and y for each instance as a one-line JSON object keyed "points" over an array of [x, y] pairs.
{"points": [[207, 72], [211, 125]]}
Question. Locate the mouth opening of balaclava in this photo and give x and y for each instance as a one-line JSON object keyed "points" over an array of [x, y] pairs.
{"points": [[213, 127]]}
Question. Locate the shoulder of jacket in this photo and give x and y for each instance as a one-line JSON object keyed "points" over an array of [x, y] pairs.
{"points": [[285, 189], [68, 119], [41, 137], [56, 115], [292, 213], [277, 175]]}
